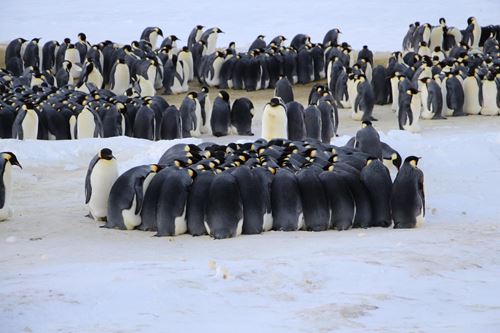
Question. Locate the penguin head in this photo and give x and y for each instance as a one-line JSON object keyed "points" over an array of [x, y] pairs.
{"points": [[370, 159], [121, 60], [159, 31], [224, 95], [11, 158], [105, 154], [396, 160], [174, 38], [366, 123], [35, 40], [261, 37], [155, 167], [275, 101], [217, 30], [82, 36], [412, 91], [442, 21], [199, 27], [412, 160], [471, 20], [205, 89], [192, 95]]}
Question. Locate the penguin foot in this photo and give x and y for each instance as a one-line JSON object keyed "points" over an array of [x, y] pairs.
{"points": [[459, 114], [373, 119], [89, 215], [438, 118]]}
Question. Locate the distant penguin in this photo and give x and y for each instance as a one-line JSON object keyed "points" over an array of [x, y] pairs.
{"points": [[474, 30], [274, 120], [295, 121], [213, 67], [145, 122], [187, 60], [194, 36], [315, 204], [286, 201], [91, 74], [88, 124], [312, 121], [31, 56], [72, 55], [63, 75], [365, 101], [258, 43], [151, 34], [210, 39], [119, 77], [101, 175], [49, 55], [491, 96], [367, 140], [454, 96], [205, 108], [432, 99], [7, 160], [305, 71], [473, 93], [171, 124], [284, 89], [191, 115], [409, 110], [26, 124], [126, 197], [13, 50], [377, 180], [381, 85], [299, 40], [242, 113], [342, 204], [220, 119], [408, 198], [326, 108], [224, 207], [332, 37]]}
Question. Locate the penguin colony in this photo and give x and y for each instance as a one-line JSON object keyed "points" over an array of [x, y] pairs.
{"points": [[58, 91], [284, 185]]}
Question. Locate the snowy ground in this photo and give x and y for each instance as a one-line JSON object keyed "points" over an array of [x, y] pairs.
{"points": [[60, 272], [379, 24]]}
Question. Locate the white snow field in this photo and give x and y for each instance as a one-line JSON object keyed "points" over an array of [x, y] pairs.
{"points": [[60, 272]]}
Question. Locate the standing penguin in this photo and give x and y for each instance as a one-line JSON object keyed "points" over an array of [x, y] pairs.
{"points": [[171, 124], [101, 175], [312, 121], [315, 204], [295, 120], [408, 198], [377, 180], [26, 124], [258, 43], [491, 96], [473, 93], [365, 100], [283, 89], [474, 32], [286, 201], [367, 140], [194, 36], [88, 124], [432, 99], [119, 77], [242, 113], [220, 119], [197, 201], [454, 96], [205, 108], [150, 34], [188, 111], [7, 160], [274, 120], [209, 37], [409, 110], [126, 197], [224, 217], [49, 55], [31, 56], [145, 122]]}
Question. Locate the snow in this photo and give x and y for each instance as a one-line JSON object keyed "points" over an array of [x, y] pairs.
{"points": [[60, 272], [381, 26]]}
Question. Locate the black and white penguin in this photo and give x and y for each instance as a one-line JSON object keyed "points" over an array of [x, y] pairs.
{"points": [[408, 197], [91, 74], [286, 201], [242, 113], [474, 33], [283, 89], [258, 43], [198, 200], [220, 119], [7, 160], [205, 108], [26, 124], [63, 75], [377, 180], [312, 121], [49, 50], [151, 34], [332, 37], [101, 175], [295, 121], [190, 110], [194, 36], [88, 124], [328, 119], [13, 51], [432, 99], [274, 120], [367, 140], [171, 124], [473, 93], [31, 56], [381, 85], [145, 122], [409, 110], [491, 96], [315, 203], [454, 96], [365, 100], [209, 37], [224, 216], [119, 77], [126, 197]]}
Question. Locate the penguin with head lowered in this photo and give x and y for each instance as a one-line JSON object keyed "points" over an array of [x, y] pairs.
{"points": [[7, 160], [220, 119], [101, 175], [408, 198], [25, 125]]}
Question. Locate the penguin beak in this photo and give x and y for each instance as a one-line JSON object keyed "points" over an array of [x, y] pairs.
{"points": [[14, 161]]}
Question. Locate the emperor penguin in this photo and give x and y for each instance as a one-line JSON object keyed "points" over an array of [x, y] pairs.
{"points": [[408, 197], [377, 180], [194, 36], [432, 99], [31, 56], [126, 197], [210, 39], [258, 43], [82, 45], [7, 160], [72, 55], [286, 201], [274, 120], [63, 75], [190, 111], [213, 67], [101, 175], [26, 124], [187, 60], [91, 74], [144, 87], [14, 48], [220, 119], [437, 35], [367, 140], [119, 77], [473, 93], [454, 96], [491, 96], [474, 30], [88, 124], [365, 100], [283, 89], [206, 108], [49, 55], [409, 110], [151, 34]]}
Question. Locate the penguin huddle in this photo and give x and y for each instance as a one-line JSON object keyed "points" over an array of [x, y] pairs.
{"points": [[50, 113], [282, 185]]}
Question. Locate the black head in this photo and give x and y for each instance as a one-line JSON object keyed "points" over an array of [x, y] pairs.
{"points": [[82, 36], [366, 123], [224, 95], [106, 154], [412, 160], [218, 31], [470, 19], [159, 31], [275, 101], [11, 157], [174, 38], [199, 27], [192, 95], [36, 40], [205, 89]]}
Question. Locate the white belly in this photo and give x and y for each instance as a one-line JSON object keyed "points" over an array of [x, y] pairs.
{"points": [[5, 211], [490, 92], [181, 224], [30, 125], [215, 80], [446, 111], [274, 123], [395, 94], [130, 219], [85, 125], [268, 222], [96, 78], [147, 88], [239, 227], [122, 79], [415, 109], [471, 95], [102, 178], [426, 113]]}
